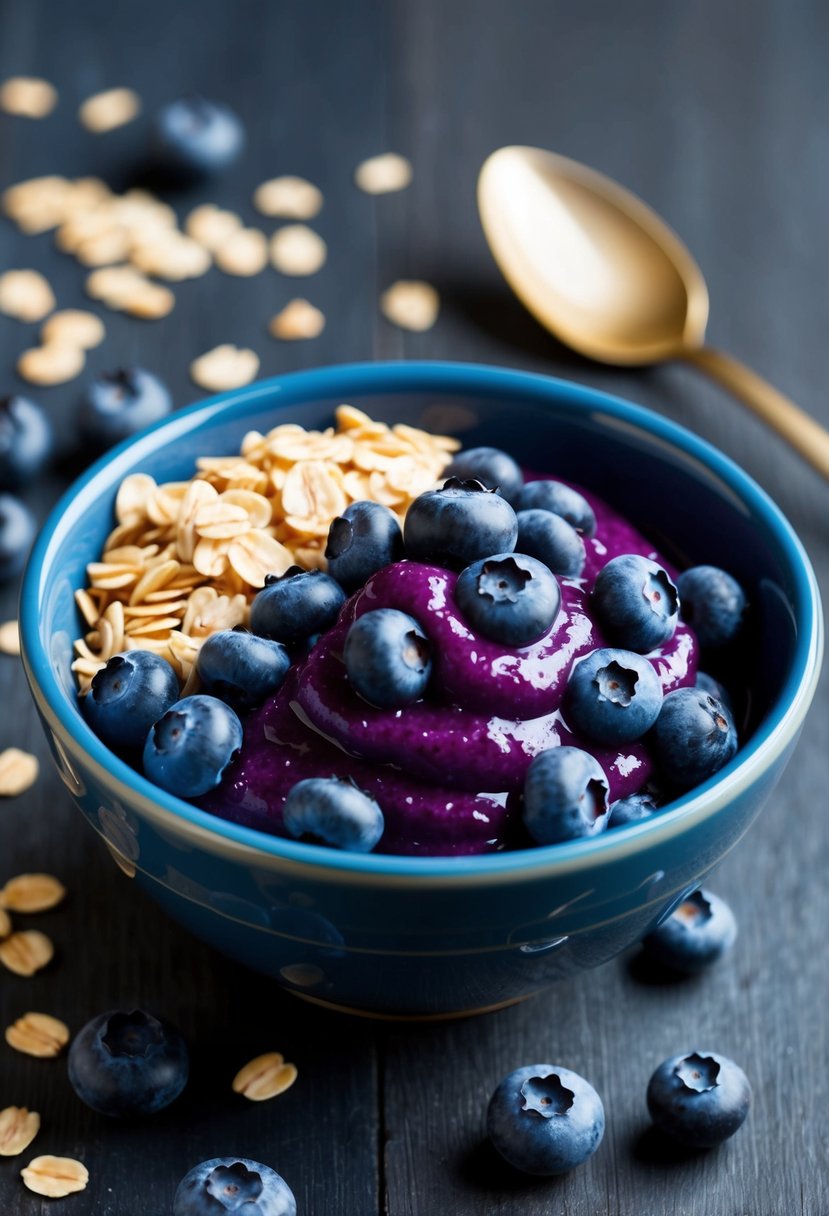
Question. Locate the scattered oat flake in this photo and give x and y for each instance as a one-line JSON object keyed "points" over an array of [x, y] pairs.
{"points": [[244, 253], [383, 174], [18, 772], [10, 638], [38, 1034], [105, 111], [149, 301], [26, 952], [224, 367], [18, 1128], [113, 284], [51, 364], [290, 198], [28, 96], [32, 893], [171, 255], [26, 295], [55, 1177], [264, 1077], [73, 327], [5, 924], [211, 226], [411, 304], [298, 319], [297, 250]]}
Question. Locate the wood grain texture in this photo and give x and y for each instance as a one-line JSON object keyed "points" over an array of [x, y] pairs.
{"points": [[714, 113]]}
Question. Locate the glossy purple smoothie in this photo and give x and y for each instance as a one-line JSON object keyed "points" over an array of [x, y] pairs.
{"points": [[447, 771]]}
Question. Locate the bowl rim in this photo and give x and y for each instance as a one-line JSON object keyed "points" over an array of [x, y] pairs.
{"points": [[769, 741]]}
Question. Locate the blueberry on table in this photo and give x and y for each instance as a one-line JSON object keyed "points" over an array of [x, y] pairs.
{"points": [[562, 500], [233, 1184], [550, 539], [361, 541], [128, 1063], [545, 1120], [128, 695], [118, 404], [636, 602], [699, 1099], [695, 935], [612, 696], [240, 668], [388, 658], [693, 737], [565, 796], [509, 598], [458, 524], [296, 605], [633, 809], [26, 441], [492, 467], [333, 812], [17, 532], [190, 747], [196, 137], [712, 603]]}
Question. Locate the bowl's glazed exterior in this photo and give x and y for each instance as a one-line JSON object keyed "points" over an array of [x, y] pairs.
{"points": [[400, 936]]}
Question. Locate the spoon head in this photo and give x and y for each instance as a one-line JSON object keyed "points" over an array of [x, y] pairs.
{"points": [[592, 263]]}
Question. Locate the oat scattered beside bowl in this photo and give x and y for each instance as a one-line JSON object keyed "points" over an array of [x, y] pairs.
{"points": [[28, 96]]}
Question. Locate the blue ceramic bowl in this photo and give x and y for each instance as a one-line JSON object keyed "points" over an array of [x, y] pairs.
{"points": [[405, 936]]}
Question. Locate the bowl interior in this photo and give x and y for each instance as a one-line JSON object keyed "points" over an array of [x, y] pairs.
{"points": [[694, 503]]}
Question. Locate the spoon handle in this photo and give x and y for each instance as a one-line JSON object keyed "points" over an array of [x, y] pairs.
{"points": [[801, 431]]}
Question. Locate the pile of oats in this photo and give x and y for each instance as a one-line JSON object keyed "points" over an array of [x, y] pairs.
{"points": [[187, 557]]}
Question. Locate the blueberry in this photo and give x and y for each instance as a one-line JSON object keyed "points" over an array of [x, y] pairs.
{"points": [[189, 748], [128, 695], [25, 441], [699, 1099], [387, 658], [565, 796], [195, 137], [120, 403], [543, 1119], [458, 524], [128, 1063], [633, 809], [296, 605], [636, 602], [492, 467], [612, 696], [361, 541], [17, 532], [233, 1184], [241, 668], [715, 689], [698, 932], [562, 500], [333, 812], [509, 598], [693, 737], [552, 540], [712, 603]]}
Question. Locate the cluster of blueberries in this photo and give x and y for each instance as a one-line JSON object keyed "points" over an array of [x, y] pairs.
{"points": [[128, 1064], [510, 555], [542, 1118]]}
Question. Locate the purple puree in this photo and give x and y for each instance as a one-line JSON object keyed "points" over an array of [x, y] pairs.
{"points": [[492, 710]]}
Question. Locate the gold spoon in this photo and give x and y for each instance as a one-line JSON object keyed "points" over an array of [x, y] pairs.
{"points": [[609, 278]]}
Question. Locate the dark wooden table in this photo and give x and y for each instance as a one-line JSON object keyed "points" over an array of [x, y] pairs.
{"points": [[715, 113]]}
